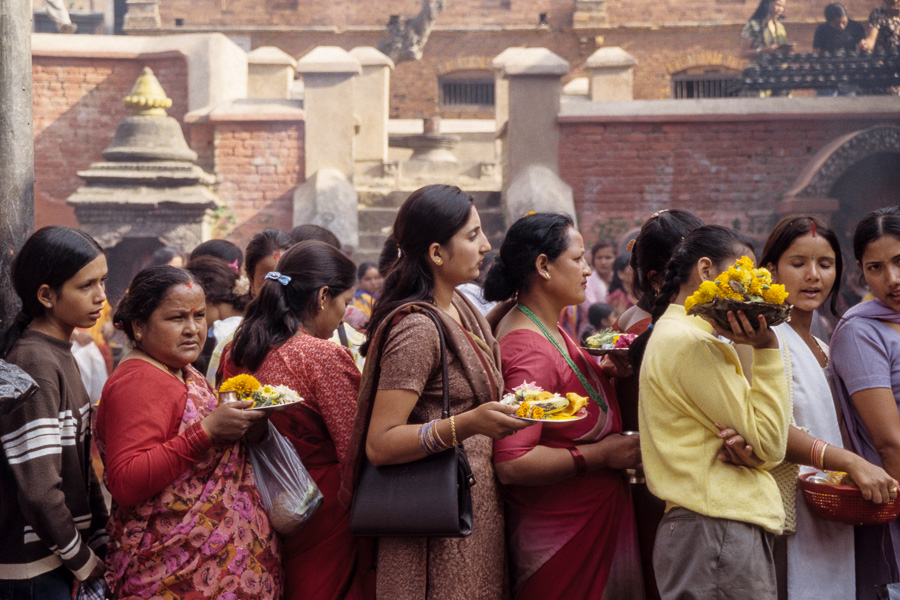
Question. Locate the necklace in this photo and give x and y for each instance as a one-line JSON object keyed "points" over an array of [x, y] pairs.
{"points": [[594, 394], [813, 345]]}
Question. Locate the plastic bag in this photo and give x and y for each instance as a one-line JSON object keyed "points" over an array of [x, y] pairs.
{"points": [[91, 589], [289, 494]]}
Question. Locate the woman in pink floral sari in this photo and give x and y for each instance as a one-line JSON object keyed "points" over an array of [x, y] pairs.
{"points": [[186, 521]]}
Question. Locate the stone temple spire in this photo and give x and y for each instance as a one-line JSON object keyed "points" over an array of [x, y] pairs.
{"points": [[147, 97]]}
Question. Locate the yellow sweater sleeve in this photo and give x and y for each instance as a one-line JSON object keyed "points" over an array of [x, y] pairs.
{"points": [[760, 412]]}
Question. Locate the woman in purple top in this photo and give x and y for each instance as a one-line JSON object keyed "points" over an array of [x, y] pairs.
{"points": [[865, 351]]}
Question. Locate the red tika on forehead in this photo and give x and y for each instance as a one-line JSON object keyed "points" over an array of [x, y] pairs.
{"points": [[812, 228], [189, 285]]}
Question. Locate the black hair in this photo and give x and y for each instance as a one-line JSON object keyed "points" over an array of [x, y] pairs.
{"points": [[280, 309], [714, 242], [163, 256], [219, 281], [220, 249], [390, 253], [145, 293], [764, 11], [50, 256], [526, 240], [597, 312], [302, 233], [431, 214], [876, 224], [835, 10], [620, 264], [789, 229], [361, 271], [653, 247], [263, 244]]}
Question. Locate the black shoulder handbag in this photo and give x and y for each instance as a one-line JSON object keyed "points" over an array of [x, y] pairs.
{"points": [[428, 497]]}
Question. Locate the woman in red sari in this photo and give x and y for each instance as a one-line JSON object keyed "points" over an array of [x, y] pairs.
{"points": [[284, 340], [568, 509], [186, 520]]}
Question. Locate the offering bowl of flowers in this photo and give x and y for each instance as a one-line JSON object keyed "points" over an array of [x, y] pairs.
{"points": [[609, 341], [535, 404], [264, 397], [741, 288]]}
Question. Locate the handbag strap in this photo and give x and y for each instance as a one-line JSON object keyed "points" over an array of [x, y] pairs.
{"points": [[445, 381]]}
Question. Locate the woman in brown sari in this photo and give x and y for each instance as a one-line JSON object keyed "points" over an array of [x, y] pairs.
{"points": [[440, 245]]}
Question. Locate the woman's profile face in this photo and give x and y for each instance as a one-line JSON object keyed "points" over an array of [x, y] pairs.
{"points": [[175, 332], [464, 252], [779, 7], [807, 271], [569, 272], [880, 265]]}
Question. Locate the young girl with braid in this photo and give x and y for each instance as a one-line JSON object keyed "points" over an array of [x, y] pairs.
{"points": [[715, 540]]}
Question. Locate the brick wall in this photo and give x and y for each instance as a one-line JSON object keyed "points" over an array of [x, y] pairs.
{"points": [[471, 13], [259, 164], [359, 13], [727, 172], [77, 106]]}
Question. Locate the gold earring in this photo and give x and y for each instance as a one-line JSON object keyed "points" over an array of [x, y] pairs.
{"points": [[321, 307], [137, 336], [438, 261]]}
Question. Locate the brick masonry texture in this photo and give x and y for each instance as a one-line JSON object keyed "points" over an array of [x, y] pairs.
{"points": [[77, 103], [472, 13], [730, 173], [259, 164]]}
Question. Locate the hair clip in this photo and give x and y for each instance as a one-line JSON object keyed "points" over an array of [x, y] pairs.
{"points": [[528, 214], [630, 246], [282, 279], [276, 256], [659, 212], [119, 325], [650, 326], [399, 252], [241, 286]]}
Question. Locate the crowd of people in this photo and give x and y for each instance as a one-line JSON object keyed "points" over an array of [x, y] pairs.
{"points": [[765, 33], [711, 414]]}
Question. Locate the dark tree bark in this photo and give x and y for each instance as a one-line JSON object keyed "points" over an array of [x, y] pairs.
{"points": [[16, 144], [407, 37]]}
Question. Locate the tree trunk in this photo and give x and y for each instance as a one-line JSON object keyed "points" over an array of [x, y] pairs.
{"points": [[16, 143], [407, 37]]}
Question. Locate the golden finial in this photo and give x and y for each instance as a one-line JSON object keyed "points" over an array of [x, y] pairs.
{"points": [[147, 97]]}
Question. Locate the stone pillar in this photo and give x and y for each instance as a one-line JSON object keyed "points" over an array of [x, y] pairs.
{"points": [[501, 86], [16, 144], [531, 141], [611, 74], [328, 80], [270, 73], [371, 103]]}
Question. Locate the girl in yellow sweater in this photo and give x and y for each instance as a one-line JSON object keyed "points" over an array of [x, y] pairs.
{"points": [[715, 541]]}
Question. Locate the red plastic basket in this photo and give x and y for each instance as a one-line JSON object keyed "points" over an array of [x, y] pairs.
{"points": [[845, 504]]}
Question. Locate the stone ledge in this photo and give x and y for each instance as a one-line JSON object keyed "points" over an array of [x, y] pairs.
{"points": [[249, 110], [730, 109]]}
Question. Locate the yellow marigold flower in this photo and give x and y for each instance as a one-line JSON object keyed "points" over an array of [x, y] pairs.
{"points": [[244, 385], [537, 413], [744, 262], [707, 291], [523, 410], [776, 294], [690, 302], [763, 275]]}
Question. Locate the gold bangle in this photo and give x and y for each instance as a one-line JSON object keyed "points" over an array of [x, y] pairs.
{"points": [[453, 431], [822, 458]]}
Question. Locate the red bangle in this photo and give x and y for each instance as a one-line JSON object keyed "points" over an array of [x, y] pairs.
{"points": [[580, 462]]}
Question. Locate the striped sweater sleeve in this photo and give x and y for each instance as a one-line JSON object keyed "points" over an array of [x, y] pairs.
{"points": [[33, 437]]}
